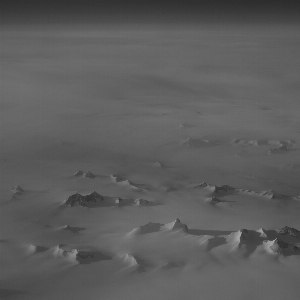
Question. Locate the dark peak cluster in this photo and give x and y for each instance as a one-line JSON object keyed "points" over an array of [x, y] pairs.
{"points": [[289, 231], [280, 149], [140, 201], [179, 225], [282, 248], [223, 188], [273, 195], [117, 178], [201, 185], [87, 174], [281, 243], [84, 255], [83, 200], [17, 190]]}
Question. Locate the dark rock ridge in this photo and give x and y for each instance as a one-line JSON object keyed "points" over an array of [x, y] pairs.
{"points": [[140, 201], [79, 255], [117, 178], [197, 143], [278, 150], [244, 233], [122, 180], [214, 200], [282, 248], [289, 231], [83, 255], [118, 200], [263, 142], [156, 227], [223, 188], [17, 190], [150, 227], [87, 174], [272, 194], [250, 142], [83, 200], [179, 225], [201, 185]]}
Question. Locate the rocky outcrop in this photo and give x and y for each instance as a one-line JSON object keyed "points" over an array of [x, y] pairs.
{"points": [[244, 234], [201, 185], [278, 150], [282, 248], [178, 225], [17, 190], [87, 174], [196, 143], [272, 195], [140, 201], [134, 262], [213, 200], [156, 227], [289, 231], [223, 188], [78, 199]]}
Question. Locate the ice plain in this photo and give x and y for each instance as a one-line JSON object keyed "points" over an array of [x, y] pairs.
{"points": [[190, 139]]}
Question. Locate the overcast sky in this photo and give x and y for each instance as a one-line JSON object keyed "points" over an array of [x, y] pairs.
{"points": [[106, 11]]}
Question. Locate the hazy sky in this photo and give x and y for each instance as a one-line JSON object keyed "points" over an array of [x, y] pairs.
{"points": [[75, 11]]}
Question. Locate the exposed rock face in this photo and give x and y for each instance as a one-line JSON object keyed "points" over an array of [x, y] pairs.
{"points": [[213, 200], [223, 188], [67, 227], [279, 246], [262, 233], [84, 255], [244, 233], [73, 254], [238, 238], [278, 150], [178, 225], [135, 262], [289, 231], [272, 195], [83, 200], [156, 227], [262, 142], [201, 185], [117, 178], [118, 200], [282, 248], [140, 201], [250, 142], [150, 227], [199, 143], [17, 190], [87, 174], [35, 249], [78, 173], [269, 194]]}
